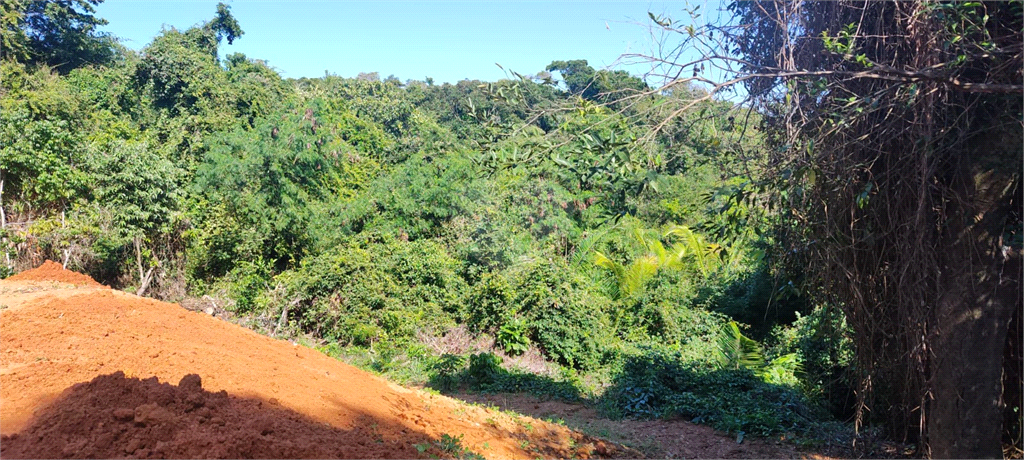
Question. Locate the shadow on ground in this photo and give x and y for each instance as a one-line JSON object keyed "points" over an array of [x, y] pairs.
{"points": [[113, 416]]}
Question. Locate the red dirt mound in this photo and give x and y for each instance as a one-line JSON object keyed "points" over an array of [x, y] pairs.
{"points": [[52, 271], [71, 335], [113, 416]]}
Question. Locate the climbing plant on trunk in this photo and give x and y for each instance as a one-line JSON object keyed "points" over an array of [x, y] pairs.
{"points": [[893, 164]]}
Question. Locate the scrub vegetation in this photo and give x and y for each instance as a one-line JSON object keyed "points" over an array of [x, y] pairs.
{"points": [[797, 262]]}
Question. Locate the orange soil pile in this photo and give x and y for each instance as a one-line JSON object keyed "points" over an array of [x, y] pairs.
{"points": [[257, 397], [52, 271], [113, 416]]}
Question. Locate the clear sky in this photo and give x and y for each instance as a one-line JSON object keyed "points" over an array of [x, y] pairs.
{"points": [[446, 40]]}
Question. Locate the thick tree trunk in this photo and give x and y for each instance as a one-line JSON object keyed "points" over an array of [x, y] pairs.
{"points": [[965, 418], [981, 279]]}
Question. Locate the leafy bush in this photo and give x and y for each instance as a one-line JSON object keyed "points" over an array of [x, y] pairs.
{"points": [[657, 383], [485, 241], [42, 127], [452, 445], [484, 369], [374, 287], [417, 197], [663, 311], [513, 337], [491, 302], [539, 206], [269, 180], [446, 371], [137, 184], [248, 280], [484, 373], [546, 303], [90, 236], [822, 341], [567, 320]]}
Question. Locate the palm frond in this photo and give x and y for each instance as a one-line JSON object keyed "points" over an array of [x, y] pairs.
{"points": [[736, 350]]}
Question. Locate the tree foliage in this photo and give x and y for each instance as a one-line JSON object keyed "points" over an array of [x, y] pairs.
{"points": [[893, 161], [42, 125], [58, 33]]}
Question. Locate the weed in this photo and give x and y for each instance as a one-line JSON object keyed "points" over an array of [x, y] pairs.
{"points": [[452, 445], [555, 420]]}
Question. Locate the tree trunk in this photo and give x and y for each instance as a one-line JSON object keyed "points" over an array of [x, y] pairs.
{"points": [[981, 278], [144, 276], [966, 416], [3, 225]]}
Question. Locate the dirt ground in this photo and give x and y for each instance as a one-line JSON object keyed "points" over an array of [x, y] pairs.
{"points": [[87, 371], [654, 438]]}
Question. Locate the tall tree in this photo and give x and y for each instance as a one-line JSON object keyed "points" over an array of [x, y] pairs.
{"points": [[577, 75], [58, 33], [895, 150], [605, 85]]}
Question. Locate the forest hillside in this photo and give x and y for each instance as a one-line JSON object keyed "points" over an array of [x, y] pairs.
{"points": [[831, 254]]}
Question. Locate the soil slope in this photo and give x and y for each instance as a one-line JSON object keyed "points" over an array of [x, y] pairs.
{"points": [[90, 371]]}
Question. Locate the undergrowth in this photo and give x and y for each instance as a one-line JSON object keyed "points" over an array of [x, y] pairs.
{"points": [[657, 383], [652, 382]]}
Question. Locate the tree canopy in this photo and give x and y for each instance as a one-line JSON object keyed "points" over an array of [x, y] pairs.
{"points": [[59, 33]]}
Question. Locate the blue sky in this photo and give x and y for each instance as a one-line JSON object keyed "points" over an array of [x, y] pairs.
{"points": [[448, 41]]}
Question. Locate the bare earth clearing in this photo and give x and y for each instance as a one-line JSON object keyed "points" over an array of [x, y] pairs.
{"points": [[86, 371]]}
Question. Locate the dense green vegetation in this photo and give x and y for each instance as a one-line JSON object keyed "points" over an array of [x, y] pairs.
{"points": [[576, 235]]}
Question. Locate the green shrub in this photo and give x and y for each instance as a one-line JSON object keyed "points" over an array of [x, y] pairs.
{"points": [[822, 341], [513, 337], [665, 312], [567, 320], [540, 206], [417, 197], [484, 373], [374, 287], [404, 362], [657, 382], [484, 369], [248, 280], [570, 333], [452, 445], [544, 302], [446, 372], [490, 303], [485, 241]]}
